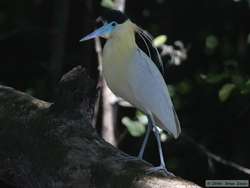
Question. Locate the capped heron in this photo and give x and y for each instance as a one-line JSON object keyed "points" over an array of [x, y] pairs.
{"points": [[132, 74]]}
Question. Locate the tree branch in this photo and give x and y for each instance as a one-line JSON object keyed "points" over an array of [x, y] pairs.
{"points": [[215, 157], [45, 145]]}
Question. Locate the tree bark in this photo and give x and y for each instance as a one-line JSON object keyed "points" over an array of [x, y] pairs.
{"points": [[53, 145]]}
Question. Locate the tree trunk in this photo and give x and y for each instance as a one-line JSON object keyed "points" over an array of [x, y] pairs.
{"points": [[45, 145]]}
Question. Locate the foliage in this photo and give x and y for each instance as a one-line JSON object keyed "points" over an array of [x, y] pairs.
{"points": [[226, 91], [136, 127], [107, 3], [159, 40]]}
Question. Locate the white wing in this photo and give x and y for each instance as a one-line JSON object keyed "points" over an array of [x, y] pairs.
{"points": [[151, 93]]}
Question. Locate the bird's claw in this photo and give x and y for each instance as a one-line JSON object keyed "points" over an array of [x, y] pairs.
{"points": [[159, 169]]}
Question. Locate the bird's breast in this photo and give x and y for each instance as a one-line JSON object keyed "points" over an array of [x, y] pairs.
{"points": [[117, 61]]}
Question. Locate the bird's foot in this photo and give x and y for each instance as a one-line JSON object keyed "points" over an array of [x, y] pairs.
{"points": [[160, 169]]}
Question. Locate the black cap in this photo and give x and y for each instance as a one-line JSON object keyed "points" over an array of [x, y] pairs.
{"points": [[110, 15]]}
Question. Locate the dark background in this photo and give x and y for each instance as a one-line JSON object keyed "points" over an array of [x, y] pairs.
{"points": [[39, 43]]}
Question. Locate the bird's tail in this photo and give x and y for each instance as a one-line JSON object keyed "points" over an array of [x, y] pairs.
{"points": [[177, 123], [176, 131]]}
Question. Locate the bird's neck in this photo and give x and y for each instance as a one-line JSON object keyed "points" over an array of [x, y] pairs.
{"points": [[124, 36], [119, 49]]}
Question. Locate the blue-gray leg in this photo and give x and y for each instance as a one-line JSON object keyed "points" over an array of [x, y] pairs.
{"points": [[144, 143], [162, 166]]}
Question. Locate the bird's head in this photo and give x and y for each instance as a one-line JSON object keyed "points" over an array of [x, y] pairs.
{"points": [[111, 19]]}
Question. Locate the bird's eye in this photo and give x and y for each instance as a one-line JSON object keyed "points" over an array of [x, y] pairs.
{"points": [[113, 24]]}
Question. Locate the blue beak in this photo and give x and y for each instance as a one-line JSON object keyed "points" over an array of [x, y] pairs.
{"points": [[103, 31]]}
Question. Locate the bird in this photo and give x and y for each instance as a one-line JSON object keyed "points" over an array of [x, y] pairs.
{"points": [[137, 76]]}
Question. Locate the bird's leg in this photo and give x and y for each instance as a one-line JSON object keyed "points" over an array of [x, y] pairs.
{"points": [[157, 135], [149, 128], [162, 166], [142, 149]]}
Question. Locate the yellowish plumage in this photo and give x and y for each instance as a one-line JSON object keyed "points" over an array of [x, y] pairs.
{"points": [[132, 75], [117, 60]]}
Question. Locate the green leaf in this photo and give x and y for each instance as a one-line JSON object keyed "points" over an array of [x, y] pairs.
{"points": [[213, 78], [135, 128], [245, 89], [184, 87], [107, 3], [159, 41], [211, 42], [226, 91], [142, 118]]}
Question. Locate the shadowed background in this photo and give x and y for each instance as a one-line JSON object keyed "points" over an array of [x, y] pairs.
{"points": [[210, 87]]}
